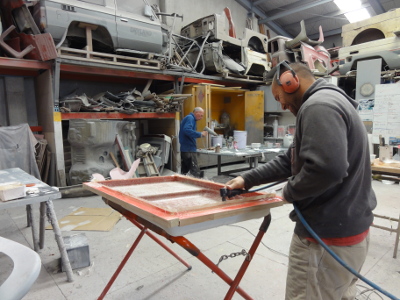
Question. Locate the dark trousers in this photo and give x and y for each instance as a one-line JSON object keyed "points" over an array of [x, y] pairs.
{"points": [[189, 164]]}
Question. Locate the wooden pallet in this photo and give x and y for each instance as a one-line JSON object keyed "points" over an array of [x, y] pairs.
{"points": [[106, 58]]}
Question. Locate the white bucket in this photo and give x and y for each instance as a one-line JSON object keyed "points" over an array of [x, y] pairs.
{"points": [[240, 138], [215, 140], [287, 140]]}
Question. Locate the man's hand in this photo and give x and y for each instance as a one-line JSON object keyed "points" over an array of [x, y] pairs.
{"points": [[204, 133], [235, 183]]}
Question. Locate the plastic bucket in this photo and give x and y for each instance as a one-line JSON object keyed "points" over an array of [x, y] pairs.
{"points": [[216, 140], [287, 140], [240, 138]]}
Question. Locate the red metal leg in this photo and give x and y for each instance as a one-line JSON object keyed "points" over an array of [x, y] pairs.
{"points": [[143, 231], [185, 243], [263, 229], [122, 264], [192, 249], [158, 241]]}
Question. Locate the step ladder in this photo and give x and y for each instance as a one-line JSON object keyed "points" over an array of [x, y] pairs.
{"points": [[147, 166]]}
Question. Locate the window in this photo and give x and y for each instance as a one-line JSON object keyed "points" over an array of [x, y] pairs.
{"points": [[130, 7]]}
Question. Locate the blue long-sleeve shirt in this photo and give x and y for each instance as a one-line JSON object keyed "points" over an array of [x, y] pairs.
{"points": [[188, 134]]}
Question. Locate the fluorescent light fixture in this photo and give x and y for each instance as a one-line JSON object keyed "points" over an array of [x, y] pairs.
{"points": [[354, 9], [348, 5], [357, 15]]}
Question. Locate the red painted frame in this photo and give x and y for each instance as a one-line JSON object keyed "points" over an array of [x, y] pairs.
{"points": [[139, 212]]}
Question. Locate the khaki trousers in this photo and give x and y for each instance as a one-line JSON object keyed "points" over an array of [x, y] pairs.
{"points": [[313, 274]]}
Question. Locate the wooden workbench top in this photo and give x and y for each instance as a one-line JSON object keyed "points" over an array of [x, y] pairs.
{"points": [[379, 166]]}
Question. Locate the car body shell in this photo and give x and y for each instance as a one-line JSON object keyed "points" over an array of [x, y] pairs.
{"points": [[387, 49], [115, 24]]}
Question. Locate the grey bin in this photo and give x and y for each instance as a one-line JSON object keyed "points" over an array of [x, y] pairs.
{"points": [[78, 251]]}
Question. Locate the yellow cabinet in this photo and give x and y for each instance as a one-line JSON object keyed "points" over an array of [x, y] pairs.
{"points": [[245, 109]]}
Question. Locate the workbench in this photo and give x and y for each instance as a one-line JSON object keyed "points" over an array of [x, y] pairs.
{"points": [[173, 206], [390, 169], [37, 192], [253, 155], [380, 167]]}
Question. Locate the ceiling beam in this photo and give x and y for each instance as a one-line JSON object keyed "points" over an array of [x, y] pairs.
{"points": [[273, 26], [330, 15], [377, 7], [288, 12]]}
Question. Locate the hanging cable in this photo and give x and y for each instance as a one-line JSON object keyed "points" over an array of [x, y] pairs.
{"points": [[333, 254]]}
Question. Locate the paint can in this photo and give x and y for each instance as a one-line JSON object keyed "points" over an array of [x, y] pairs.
{"points": [[287, 140], [240, 138], [215, 140]]}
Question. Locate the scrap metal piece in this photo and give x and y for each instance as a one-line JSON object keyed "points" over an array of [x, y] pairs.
{"points": [[216, 61], [8, 49], [232, 32], [302, 37], [91, 141], [24, 20], [44, 48], [317, 58], [147, 166]]}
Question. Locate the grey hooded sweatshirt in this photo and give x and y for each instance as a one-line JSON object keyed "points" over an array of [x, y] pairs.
{"points": [[327, 166]]}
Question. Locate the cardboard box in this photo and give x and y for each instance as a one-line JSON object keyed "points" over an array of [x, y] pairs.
{"points": [[12, 190]]}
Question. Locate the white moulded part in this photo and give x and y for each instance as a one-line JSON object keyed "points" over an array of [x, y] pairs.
{"points": [[12, 190]]}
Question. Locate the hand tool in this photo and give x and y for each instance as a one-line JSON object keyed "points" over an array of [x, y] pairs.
{"points": [[224, 192], [210, 131]]}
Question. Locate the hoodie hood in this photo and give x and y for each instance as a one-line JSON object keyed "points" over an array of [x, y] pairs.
{"points": [[321, 84]]}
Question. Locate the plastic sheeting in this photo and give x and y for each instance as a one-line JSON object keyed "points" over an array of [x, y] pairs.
{"points": [[17, 149]]}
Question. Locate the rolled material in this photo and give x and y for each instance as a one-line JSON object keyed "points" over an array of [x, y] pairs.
{"points": [[212, 132]]}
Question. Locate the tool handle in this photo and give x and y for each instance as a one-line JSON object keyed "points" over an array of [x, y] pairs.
{"points": [[235, 192]]}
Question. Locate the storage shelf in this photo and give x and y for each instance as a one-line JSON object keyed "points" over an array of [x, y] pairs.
{"points": [[116, 115], [22, 67], [70, 69]]}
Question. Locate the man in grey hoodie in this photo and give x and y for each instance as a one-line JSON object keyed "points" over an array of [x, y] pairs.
{"points": [[329, 178]]}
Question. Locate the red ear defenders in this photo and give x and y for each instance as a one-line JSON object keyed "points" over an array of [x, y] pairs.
{"points": [[288, 80]]}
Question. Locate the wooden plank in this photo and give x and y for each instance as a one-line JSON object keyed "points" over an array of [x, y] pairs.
{"points": [[106, 58], [135, 207], [121, 148], [47, 166], [114, 160], [393, 168], [273, 202]]}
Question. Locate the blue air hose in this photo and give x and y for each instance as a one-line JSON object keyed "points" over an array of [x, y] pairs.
{"points": [[333, 254]]}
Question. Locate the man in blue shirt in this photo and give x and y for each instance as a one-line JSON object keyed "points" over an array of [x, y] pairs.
{"points": [[187, 138]]}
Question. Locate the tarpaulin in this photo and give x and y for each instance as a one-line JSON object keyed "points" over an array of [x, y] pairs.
{"points": [[17, 149]]}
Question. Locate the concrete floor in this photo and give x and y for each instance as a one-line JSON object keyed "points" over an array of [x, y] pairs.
{"points": [[152, 273]]}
